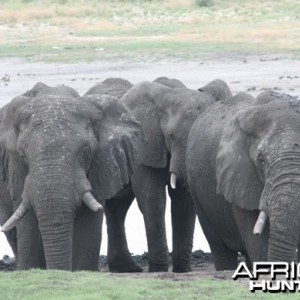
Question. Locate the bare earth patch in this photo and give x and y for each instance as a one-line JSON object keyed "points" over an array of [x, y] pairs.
{"points": [[202, 267], [253, 74]]}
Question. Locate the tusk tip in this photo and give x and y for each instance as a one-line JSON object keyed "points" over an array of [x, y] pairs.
{"points": [[91, 202], [260, 223], [98, 208], [6, 228], [256, 232], [173, 181]]}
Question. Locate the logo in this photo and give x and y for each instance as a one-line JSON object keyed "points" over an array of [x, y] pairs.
{"points": [[273, 277]]}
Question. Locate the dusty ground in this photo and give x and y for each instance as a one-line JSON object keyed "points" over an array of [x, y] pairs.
{"points": [[243, 73], [202, 267]]}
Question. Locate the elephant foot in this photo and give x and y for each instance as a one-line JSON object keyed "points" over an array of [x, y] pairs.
{"points": [[181, 265], [225, 264], [124, 265], [181, 269], [154, 267]]}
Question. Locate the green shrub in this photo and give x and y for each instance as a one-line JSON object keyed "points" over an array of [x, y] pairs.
{"points": [[204, 3]]}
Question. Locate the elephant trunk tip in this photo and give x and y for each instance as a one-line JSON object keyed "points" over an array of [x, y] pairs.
{"points": [[260, 223], [91, 202]]}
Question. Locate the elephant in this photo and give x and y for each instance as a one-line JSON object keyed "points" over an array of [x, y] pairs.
{"points": [[166, 115], [242, 164], [61, 156], [169, 82], [111, 86], [41, 88]]}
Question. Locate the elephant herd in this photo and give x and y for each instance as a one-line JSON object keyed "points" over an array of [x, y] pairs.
{"points": [[231, 160]]}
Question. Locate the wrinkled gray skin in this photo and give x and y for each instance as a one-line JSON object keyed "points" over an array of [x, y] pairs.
{"points": [[55, 149], [41, 88], [243, 157], [166, 115], [116, 87], [169, 82]]}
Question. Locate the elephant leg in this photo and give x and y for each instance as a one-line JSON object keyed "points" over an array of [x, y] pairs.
{"points": [[149, 188], [11, 237], [183, 225], [87, 239], [118, 256], [224, 257], [256, 245], [30, 246], [247, 261]]}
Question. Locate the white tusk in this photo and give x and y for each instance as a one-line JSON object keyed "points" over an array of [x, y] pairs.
{"points": [[17, 215], [260, 223], [173, 181], [91, 202]]}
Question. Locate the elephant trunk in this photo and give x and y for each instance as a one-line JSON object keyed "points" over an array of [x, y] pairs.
{"points": [[282, 247], [53, 200], [58, 240], [283, 213], [284, 232]]}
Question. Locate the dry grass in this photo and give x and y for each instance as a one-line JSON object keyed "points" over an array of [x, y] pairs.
{"points": [[269, 25], [26, 15]]}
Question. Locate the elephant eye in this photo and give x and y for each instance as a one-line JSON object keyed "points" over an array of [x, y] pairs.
{"points": [[171, 136], [85, 152], [260, 160], [22, 155]]}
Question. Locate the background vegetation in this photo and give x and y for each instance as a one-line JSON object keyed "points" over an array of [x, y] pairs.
{"points": [[85, 30]]}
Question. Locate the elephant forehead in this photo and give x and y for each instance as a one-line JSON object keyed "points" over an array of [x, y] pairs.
{"points": [[55, 108], [284, 118], [52, 123], [57, 104]]}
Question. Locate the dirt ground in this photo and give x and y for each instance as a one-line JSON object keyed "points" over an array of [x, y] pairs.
{"points": [[202, 267], [243, 73], [253, 74]]}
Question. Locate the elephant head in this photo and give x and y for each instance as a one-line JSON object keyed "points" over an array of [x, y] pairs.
{"points": [[41, 88], [59, 153], [258, 168], [169, 82], [112, 86], [167, 115]]}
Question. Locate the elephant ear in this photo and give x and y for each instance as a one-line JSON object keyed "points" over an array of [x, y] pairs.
{"points": [[12, 169], [119, 149], [141, 100], [237, 178], [218, 89]]}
